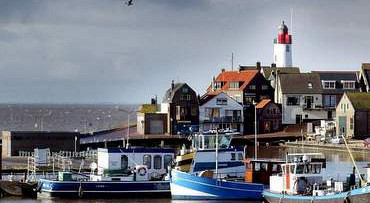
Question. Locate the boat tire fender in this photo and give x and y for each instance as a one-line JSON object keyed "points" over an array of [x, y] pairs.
{"points": [[142, 171]]}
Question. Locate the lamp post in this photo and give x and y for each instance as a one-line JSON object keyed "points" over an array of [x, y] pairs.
{"points": [[128, 122], [255, 129]]}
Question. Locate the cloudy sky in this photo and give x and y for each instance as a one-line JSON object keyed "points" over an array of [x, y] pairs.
{"points": [[91, 51]]}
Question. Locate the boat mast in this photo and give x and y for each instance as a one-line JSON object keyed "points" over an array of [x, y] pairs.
{"points": [[353, 161], [216, 153]]}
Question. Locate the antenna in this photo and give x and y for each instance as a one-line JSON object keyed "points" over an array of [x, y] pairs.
{"points": [[232, 60], [291, 20]]}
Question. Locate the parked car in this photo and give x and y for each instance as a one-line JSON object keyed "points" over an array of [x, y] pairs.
{"points": [[367, 142], [337, 140]]}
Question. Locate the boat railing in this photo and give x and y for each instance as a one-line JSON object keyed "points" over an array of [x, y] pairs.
{"points": [[229, 176]]}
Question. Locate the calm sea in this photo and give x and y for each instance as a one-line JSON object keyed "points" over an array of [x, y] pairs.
{"points": [[63, 117]]}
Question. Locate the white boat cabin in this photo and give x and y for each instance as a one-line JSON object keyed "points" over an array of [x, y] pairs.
{"points": [[138, 163], [299, 175]]}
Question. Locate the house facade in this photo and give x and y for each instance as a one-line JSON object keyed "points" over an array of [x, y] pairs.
{"points": [[353, 115], [245, 86], [268, 116], [334, 84], [300, 96], [181, 105], [220, 112]]}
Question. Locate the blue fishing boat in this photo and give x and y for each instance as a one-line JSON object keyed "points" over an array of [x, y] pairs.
{"points": [[188, 186], [208, 178], [119, 172]]}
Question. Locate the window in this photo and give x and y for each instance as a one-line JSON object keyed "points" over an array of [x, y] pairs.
{"points": [[212, 112], [287, 48], [232, 156], [249, 99], [185, 90], [157, 162], [185, 97], [124, 162], [328, 84], [252, 87], [330, 100], [178, 112], [238, 98], [351, 123], [310, 85], [240, 156], [194, 111], [167, 161], [234, 85], [147, 160], [221, 101], [348, 84], [218, 85], [292, 101], [265, 87]]}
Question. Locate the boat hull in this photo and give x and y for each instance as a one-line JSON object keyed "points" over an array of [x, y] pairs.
{"points": [[187, 186], [87, 189], [357, 195]]}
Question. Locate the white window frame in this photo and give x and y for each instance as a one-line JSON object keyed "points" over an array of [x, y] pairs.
{"points": [[329, 82], [234, 85], [347, 82]]}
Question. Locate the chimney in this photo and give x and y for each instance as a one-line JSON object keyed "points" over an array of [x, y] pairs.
{"points": [[222, 70], [258, 65], [173, 84]]}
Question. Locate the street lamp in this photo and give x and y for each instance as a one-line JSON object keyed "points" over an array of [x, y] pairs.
{"points": [[255, 129], [128, 122]]}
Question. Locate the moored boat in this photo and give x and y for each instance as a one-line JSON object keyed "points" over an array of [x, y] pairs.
{"points": [[120, 172], [204, 187], [301, 181]]}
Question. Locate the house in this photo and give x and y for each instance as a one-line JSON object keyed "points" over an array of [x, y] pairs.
{"points": [[301, 98], [353, 115], [220, 111], [364, 77], [181, 105], [245, 86], [268, 116], [334, 84]]}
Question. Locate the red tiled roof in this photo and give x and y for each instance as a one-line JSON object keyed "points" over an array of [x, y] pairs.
{"points": [[263, 103], [244, 76]]}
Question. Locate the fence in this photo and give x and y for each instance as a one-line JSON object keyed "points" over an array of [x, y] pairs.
{"points": [[70, 154]]}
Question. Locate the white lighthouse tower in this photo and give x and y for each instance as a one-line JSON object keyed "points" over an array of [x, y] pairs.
{"points": [[283, 47]]}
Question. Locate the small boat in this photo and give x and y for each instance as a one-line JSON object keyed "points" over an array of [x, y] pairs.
{"points": [[207, 180], [120, 173], [187, 186], [301, 180], [201, 156]]}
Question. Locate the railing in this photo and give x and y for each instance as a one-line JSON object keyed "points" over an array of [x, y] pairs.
{"points": [[72, 154], [226, 119]]}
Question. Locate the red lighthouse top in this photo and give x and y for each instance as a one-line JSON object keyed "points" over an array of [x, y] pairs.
{"points": [[283, 36]]}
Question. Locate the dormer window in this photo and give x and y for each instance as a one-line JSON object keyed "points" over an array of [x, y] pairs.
{"points": [[328, 84], [234, 85], [218, 85], [347, 84]]}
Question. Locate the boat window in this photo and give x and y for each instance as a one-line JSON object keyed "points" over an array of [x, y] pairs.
{"points": [[257, 166], [232, 156], [167, 161], [316, 168], [299, 169], [263, 166], [157, 162], [292, 169], [124, 162], [147, 160], [240, 156]]}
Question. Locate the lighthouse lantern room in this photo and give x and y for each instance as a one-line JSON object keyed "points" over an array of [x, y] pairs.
{"points": [[283, 47]]}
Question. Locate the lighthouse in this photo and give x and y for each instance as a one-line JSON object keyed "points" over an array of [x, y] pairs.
{"points": [[283, 47]]}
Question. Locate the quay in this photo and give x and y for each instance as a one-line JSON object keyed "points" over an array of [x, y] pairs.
{"points": [[354, 146]]}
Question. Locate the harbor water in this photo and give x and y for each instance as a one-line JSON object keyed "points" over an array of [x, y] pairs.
{"points": [[339, 165]]}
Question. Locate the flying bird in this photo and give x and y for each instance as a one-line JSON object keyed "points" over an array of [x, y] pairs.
{"points": [[129, 2]]}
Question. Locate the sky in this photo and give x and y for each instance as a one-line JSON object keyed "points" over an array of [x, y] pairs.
{"points": [[103, 51]]}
